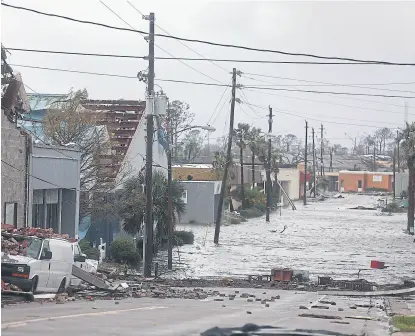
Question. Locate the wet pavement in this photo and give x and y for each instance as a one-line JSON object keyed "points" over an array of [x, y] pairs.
{"points": [[151, 316], [325, 238]]}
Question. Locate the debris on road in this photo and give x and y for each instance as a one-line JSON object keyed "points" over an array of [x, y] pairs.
{"points": [[328, 317]]}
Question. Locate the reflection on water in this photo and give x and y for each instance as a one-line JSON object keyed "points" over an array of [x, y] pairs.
{"points": [[325, 238]]}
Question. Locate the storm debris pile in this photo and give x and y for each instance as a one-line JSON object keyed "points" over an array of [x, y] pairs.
{"points": [[13, 240]]}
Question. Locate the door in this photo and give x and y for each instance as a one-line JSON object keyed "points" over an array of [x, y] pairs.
{"points": [[359, 185], [44, 269], [341, 185], [61, 263], [76, 253]]}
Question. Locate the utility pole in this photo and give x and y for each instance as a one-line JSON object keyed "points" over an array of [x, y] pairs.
{"points": [[149, 152], [228, 159], [268, 171], [321, 152], [398, 154], [394, 173], [170, 200], [374, 156], [314, 165], [305, 162]]}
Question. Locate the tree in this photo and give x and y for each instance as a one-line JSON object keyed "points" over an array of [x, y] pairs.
{"points": [[68, 123], [408, 146], [288, 141], [255, 141], [241, 137], [132, 203], [383, 135], [192, 142], [179, 118]]}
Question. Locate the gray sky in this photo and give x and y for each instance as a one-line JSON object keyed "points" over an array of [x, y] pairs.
{"points": [[364, 30]]}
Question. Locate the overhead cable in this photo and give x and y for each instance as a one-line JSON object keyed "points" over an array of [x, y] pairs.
{"points": [[209, 42]]}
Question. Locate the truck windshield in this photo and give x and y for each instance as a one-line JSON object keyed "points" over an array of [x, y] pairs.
{"points": [[33, 247]]}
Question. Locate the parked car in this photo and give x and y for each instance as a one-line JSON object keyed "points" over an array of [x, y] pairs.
{"points": [[46, 267]]}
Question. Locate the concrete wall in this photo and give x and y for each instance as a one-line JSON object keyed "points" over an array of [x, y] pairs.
{"points": [[13, 151], [201, 205], [401, 184], [289, 179]]}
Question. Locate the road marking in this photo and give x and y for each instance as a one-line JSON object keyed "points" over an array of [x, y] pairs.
{"points": [[108, 312]]}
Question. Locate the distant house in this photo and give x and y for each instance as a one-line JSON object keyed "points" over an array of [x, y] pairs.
{"points": [[361, 181]]}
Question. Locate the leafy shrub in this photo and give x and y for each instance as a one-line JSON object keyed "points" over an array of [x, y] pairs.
{"points": [[251, 213], [91, 252], [393, 207], [123, 251], [261, 207], [183, 237], [235, 220]]}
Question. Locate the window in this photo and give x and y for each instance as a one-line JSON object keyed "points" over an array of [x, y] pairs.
{"points": [[52, 216], [37, 215], [10, 213], [76, 250], [184, 197], [45, 247], [359, 184]]}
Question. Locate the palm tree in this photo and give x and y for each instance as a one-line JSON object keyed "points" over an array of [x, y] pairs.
{"points": [[253, 139], [241, 135], [132, 203], [408, 145]]}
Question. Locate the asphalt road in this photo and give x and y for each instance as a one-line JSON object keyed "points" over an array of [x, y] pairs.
{"points": [[150, 316]]}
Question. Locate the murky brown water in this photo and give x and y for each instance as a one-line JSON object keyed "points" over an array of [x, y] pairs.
{"points": [[324, 238]]}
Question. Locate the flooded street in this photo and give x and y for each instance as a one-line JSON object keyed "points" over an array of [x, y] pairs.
{"points": [[325, 238]]}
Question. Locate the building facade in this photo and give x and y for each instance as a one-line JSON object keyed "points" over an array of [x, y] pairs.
{"points": [[13, 173], [401, 183], [202, 200], [54, 188], [361, 181]]}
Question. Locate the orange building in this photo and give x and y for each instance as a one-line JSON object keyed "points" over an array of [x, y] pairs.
{"points": [[360, 181]]}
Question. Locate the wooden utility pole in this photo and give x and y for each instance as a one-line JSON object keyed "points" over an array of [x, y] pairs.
{"points": [[305, 163], [268, 171], [170, 199], [228, 160], [398, 154], [394, 173], [149, 152], [374, 156], [314, 164], [321, 153]]}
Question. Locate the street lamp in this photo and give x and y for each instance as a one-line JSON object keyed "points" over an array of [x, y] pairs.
{"points": [[170, 194]]}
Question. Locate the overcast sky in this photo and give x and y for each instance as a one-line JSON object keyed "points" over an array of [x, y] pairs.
{"points": [[363, 30]]}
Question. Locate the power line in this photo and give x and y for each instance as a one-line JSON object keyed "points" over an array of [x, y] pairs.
{"points": [[208, 42], [330, 92], [319, 120], [323, 84], [220, 99], [186, 58], [317, 115], [189, 66], [326, 102], [220, 67], [214, 84]]}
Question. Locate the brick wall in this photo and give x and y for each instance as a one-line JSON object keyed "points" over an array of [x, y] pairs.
{"points": [[13, 151]]}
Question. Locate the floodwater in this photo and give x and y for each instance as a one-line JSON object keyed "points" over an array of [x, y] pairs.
{"points": [[325, 238]]}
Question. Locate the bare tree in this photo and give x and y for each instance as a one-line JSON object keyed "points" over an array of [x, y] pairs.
{"points": [[180, 118], [68, 123]]}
